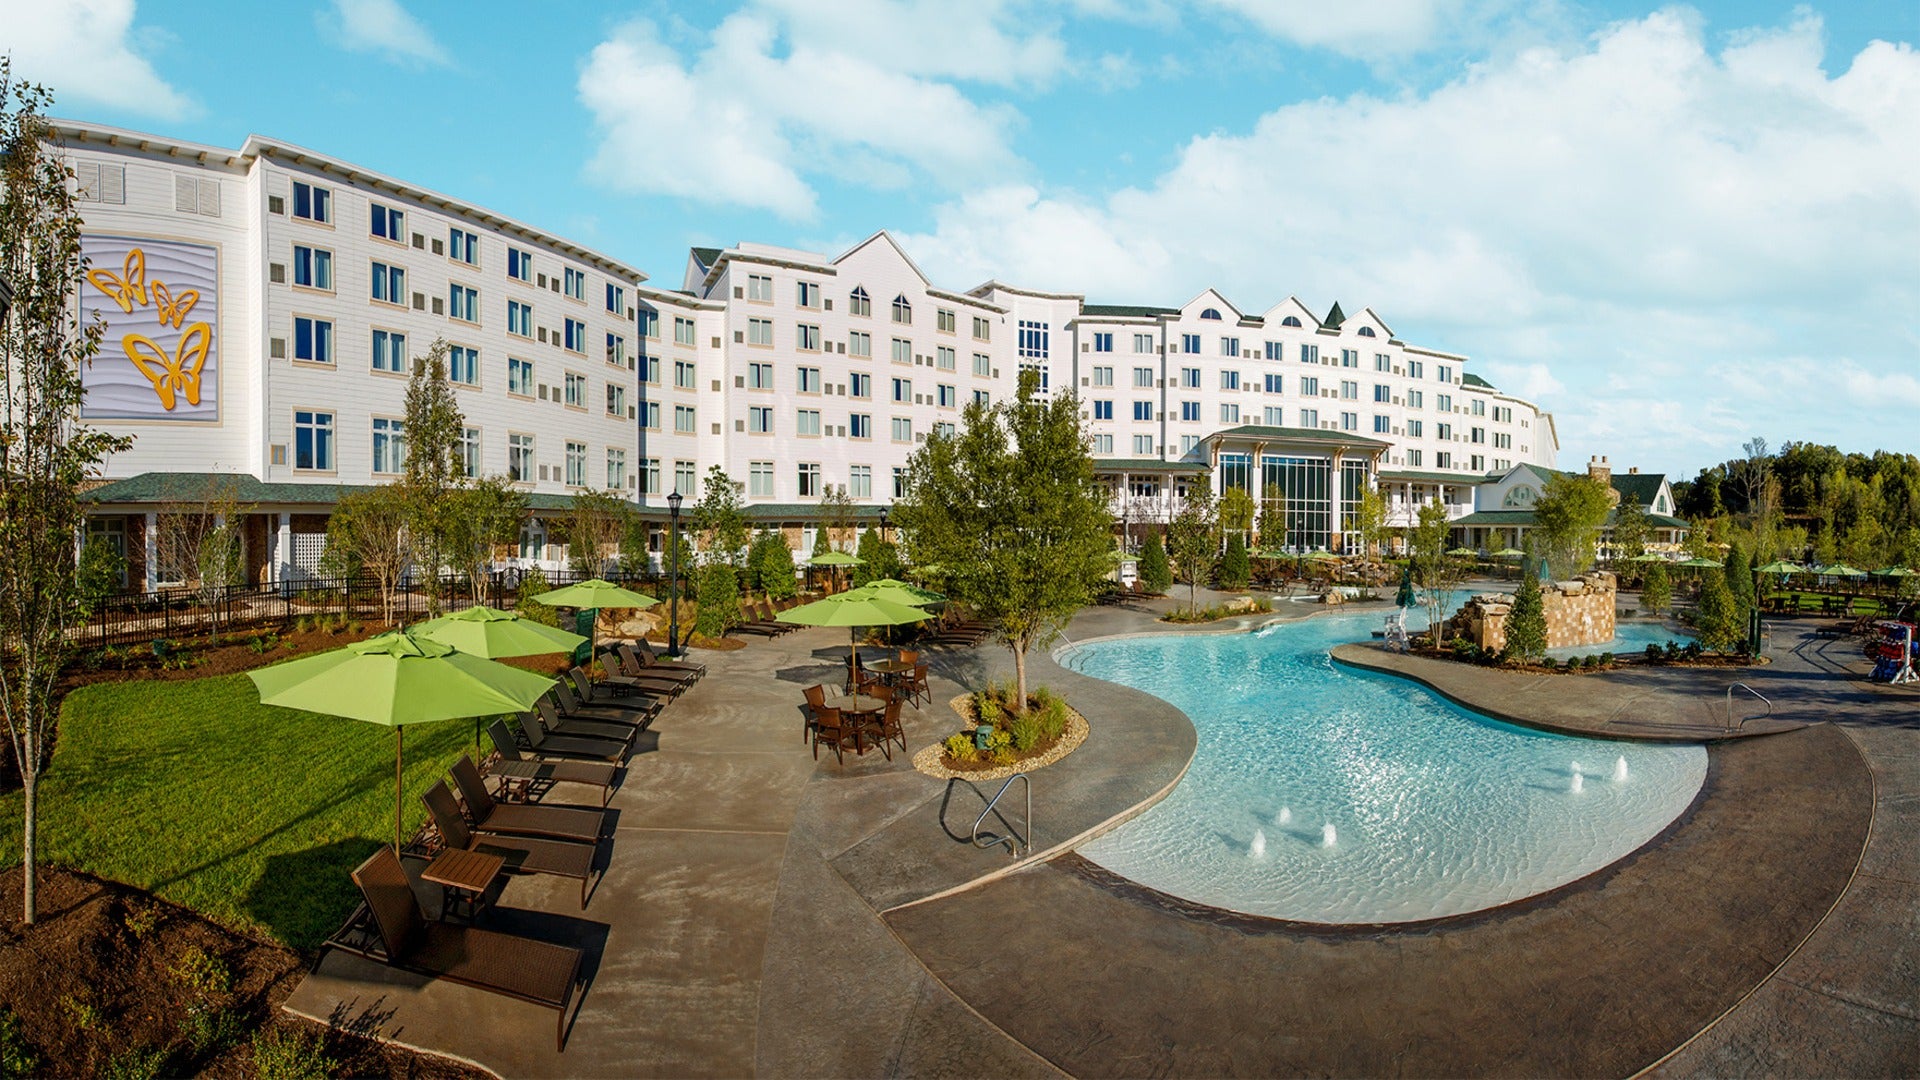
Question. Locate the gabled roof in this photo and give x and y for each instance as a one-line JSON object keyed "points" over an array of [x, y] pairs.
{"points": [[1468, 378], [707, 255], [1643, 487], [1510, 518], [1200, 300], [1291, 306], [1382, 323], [897, 250], [1124, 311]]}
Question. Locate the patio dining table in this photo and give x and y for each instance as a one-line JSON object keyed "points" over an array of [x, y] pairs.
{"points": [[863, 712]]}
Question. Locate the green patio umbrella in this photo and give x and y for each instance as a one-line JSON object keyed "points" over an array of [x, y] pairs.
{"points": [[398, 679], [852, 610], [595, 593], [901, 592], [1648, 556], [1894, 571], [1509, 553], [1843, 570], [494, 634], [1779, 566], [1702, 563], [1462, 553], [832, 560]]}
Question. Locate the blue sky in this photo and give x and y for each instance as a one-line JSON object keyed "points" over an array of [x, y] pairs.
{"points": [[1676, 227]]}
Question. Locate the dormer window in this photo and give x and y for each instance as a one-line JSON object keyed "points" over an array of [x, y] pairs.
{"points": [[1366, 331], [1211, 313], [1290, 321], [902, 311]]}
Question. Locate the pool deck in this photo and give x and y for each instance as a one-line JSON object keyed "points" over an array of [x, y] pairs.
{"points": [[766, 913]]}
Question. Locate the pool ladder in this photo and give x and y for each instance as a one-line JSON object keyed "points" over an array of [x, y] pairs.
{"points": [[1732, 725], [1012, 839]]}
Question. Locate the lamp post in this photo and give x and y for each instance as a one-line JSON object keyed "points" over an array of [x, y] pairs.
{"points": [[673, 585], [883, 524]]}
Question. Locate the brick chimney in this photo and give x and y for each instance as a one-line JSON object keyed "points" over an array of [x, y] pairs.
{"points": [[1598, 469]]}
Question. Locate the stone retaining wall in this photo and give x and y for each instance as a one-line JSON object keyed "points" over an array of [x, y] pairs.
{"points": [[1579, 612]]}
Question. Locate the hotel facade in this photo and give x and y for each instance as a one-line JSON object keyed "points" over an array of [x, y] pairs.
{"points": [[264, 304]]}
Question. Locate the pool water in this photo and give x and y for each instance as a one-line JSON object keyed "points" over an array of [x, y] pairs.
{"points": [[1433, 810], [1628, 637]]}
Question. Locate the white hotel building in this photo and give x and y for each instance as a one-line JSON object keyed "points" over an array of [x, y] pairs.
{"points": [[262, 304]]}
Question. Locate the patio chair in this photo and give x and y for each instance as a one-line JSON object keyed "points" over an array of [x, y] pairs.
{"points": [[653, 659], [831, 728], [890, 729], [523, 854], [632, 665], [816, 702], [569, 746], [523, 819], [538, 972], [520, 776], [909, 656], [915, 684], [555, 724]]}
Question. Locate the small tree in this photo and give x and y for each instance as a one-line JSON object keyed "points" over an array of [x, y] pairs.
{"points": [[718, 600], [1716, 619], [483, 517], [1739, 575], [99, 574], [1370, 521], [595, 525], [1567, 519], [1273, 523], [1527, 621], [1438, 573], [836, 519], [367, 534], [774, 567], [721, 517], [436, 467], [1236, 512], [1656, 588], [200, 542], [880, 559], [1631, 528], [1234, 570], [1190, 537], [1155, 574]]}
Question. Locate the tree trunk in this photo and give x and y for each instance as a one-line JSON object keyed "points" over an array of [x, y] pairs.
{"points": [[29, 850], [1020, 673]]}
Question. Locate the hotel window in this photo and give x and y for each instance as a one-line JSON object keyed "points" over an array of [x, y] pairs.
{"points": [[1143, 376], [616, 400], [1382, 393], [808, 293], [650, 476], [1309, 354], [1190, 378], [312, 203], [1189, 411], [1143, 446], [1382, 425], [982, 329], [1103, 343], [1275, 416], [1309, 418], [616, 350], [650, 415], [1349, 390], [1229, 346], [463, 247], [982, 398], [683, 477], [649, 324], [1033, 340], [683, 419], [760, 479], [943, 320], [576, 341], [1103, 376], [1229, 380], [808, 475], [945, 430], [1416, 399], [760, 288], [389, 445], [1103, 444], [809, 380], [1102, 410], [616, 299], [576, 391], [1443, 402], [1276, 350], [760, 331], [1274, 384], [469, 452], [1479, 407], [1502, 414], [1443, 432], [982, 364], [519, 376], [1350, 358], [806, 337], [1442, 459], [685, 375], [902, 429], [1143, 410], [899, 481], [312, 340], [1143, 343], [519, 264], [943, 358], [1413, 458], [616, 467], [1477, 435], [389, 351], [1188, 444], [860, 481], [1382, 362], [860, 344], [1229, 413], [682, 331], [463, 366], [903, 391], [463, 303], [858, 302], [948, 397], [313, 269], [760, 419], [1416, 429], [574, 284], [1189, 343], [313, 441], [388, 223], [649, 369], [1443, 373], [861, 386], [1502, 441], [1478, 463], [859, 426], [1309, 386], [902, 311], [902, 351], [576, 464], [519, 319]]}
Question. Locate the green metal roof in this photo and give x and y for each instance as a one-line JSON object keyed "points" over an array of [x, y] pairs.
{"points": [[707, 256], [1418, 476], [1314, 435], [1524, 518], [1468, 378], [1644, 487], [1124, 311], [1109, 465], [1334, 318], [156, 488]]}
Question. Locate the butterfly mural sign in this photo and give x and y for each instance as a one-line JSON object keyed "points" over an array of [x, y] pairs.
{"points": [[159, 358]]}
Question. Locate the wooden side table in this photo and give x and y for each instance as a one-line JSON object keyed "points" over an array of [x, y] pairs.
{"points": [[463, 876]]}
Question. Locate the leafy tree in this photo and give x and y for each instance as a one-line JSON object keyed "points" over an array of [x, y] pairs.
{"points": [[1190, 543], [199, 541], [367, 534], [836, 519], [482, 517], [1739, 575], [721, 517], [1009, 508], [880, 559], [436, 467], [1717, 620], [1567, 519], [718, 600], [46, 454], [1236, 512], [1527, 622], [1370, 520], [1437, 572], [596, 525], [1155, 575], [99, 574], [1273, 523], [1656, 588], [1631, 528], [1234, 571], [774, 568], [533, 582]]}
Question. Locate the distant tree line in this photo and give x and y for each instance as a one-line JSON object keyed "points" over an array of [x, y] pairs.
{"points": [[1807, 501]]}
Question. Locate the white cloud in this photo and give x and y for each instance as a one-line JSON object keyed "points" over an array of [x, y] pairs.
{"points": [[1389, 26], [1586, 210], [773, 98], [81, 49], [385, 28]]}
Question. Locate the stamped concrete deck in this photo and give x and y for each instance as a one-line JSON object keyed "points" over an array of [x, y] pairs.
{"points": [[749, 884]]}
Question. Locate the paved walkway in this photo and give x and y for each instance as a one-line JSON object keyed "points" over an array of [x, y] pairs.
{"points": [[766, 913]]}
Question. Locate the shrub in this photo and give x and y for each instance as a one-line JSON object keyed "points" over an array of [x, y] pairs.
{"points": [[211, 1029], [1003, 755], [1607, 659], [1654, 654], [291, 1055], [960, 747], [718, 600], [1156, 574], [1234, 572], [1672, 650], [17, 1055], [533, 582], [1052, 718], [986, 708], [138, 1063], [1025, 731], [1693, 650]]}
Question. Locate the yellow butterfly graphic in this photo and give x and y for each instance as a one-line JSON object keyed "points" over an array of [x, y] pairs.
{"points": [[128, 287], [179, 373], [173, 309]]}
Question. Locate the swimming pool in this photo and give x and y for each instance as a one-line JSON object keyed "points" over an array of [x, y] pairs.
{"points": [[1324, 794], [1628, 637]]}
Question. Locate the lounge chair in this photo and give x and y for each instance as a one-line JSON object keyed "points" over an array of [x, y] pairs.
{"points": [[523, 968], [587, 693], [653, 659], [628, 663], [523, 854], [555, 724], [523, 774], [762, 614], [639, 711], [623, 684], [755, 623], [569, 746], [523, 819]]}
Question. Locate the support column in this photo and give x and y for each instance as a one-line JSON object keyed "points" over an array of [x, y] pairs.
{"points": [[152, 541], [283, 549]]}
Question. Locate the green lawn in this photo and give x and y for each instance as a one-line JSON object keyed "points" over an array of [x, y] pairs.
{"points": [[250, 814]]}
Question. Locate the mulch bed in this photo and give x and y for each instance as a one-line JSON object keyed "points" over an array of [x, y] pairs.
{"points": [[111, 980]]}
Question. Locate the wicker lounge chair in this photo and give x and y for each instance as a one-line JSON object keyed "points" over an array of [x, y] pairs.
{"points": [[523, 968], [523, 854], [535, 736], [523, 819], [522, 775]]}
